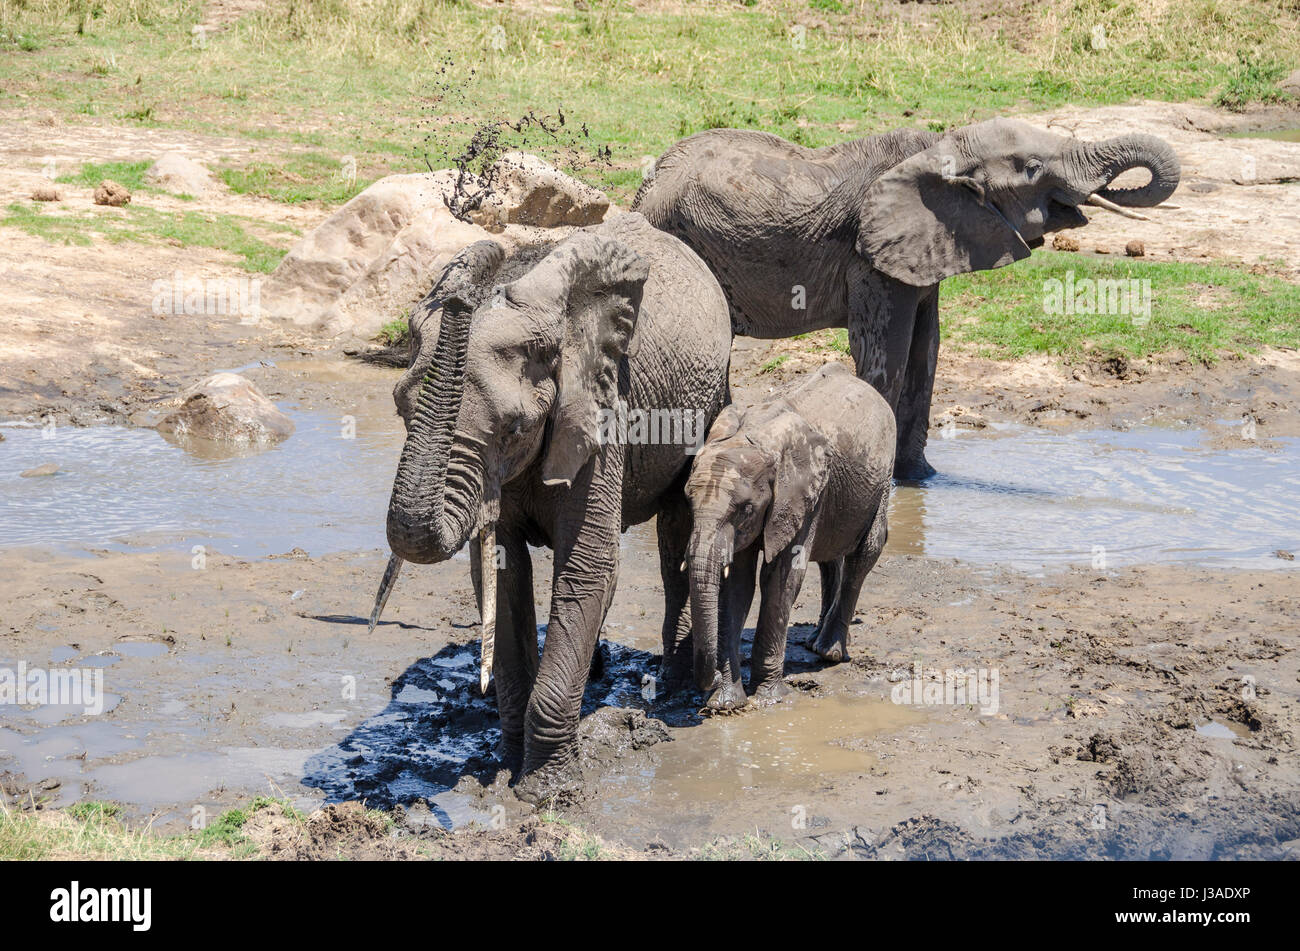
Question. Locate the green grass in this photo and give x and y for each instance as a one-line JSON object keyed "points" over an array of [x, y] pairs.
{"points": [[130, 174], [149, 226], [299, 178], [396, 333], [755, 847], [1202, 310], [370, 78], [1253, 80], [92, 830]]}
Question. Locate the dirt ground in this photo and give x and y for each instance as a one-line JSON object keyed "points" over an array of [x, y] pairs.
{"points": [[1144, 711]]}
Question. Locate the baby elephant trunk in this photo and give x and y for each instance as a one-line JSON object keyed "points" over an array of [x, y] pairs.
{"points": [[707, 566]]}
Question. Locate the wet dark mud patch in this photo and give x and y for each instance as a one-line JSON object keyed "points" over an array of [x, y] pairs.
{"points": [[435, 743]]}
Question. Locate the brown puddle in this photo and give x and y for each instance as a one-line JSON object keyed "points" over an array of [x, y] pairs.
{"points": [[771, 758]]}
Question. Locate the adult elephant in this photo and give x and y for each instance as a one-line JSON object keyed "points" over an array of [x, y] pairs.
{"points": [[527, 381], [859, 235]]}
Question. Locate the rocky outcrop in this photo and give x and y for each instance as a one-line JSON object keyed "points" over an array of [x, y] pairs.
{"points": [[375, 257]]}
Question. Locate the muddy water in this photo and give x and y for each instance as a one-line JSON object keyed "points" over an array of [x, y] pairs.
{"points": [[729, 774], [1010, 495], [1277, 135], [324, 489], [1029, 498], [1014, 496]]}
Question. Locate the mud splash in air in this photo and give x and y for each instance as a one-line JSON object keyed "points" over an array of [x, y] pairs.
{"points": [[455, 106]]}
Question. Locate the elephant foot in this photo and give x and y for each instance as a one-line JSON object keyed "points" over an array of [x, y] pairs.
{"points": [[913, 470], [675, 673], [831, 647], [550, 781], [771, 691], [729, 696], [511, 753]]}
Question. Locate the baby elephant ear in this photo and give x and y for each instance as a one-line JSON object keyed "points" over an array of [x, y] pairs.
{"points": [[800, 478], [726, 425], [602, 283], [928, 218]]}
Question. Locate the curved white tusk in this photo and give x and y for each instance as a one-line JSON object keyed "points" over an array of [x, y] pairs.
{"points": [[385, 589], [726, 570], [683, 567], [1118, 209]]}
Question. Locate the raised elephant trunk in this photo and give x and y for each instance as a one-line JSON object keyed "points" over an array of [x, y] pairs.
{"points": [[1095, 165], [439, 484], [708, 566]]}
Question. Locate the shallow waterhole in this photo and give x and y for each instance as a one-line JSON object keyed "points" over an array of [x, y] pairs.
{"points": [[1011, 495], [1277, 135]]}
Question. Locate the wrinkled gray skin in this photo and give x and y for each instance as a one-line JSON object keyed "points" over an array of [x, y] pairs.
{"points": [[511, 362], [802, 478], [859, 235]]}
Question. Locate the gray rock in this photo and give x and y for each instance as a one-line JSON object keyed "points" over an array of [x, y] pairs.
{"points": [[537, 194], [227, 408], [48, 469]]}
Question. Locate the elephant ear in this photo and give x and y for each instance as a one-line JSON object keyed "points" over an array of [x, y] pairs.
{"points": [[922, 221], [801, 471], [726, 424], [603, 281]]}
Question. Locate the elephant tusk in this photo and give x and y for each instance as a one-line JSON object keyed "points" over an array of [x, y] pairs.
{"points": [[726, 570], [385, 589], [1118, 209], [683, 566], [488, 605]]}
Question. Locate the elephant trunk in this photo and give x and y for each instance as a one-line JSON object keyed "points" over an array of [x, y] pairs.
{"points": [[439, 485], [707, 566], [1094, 165]]}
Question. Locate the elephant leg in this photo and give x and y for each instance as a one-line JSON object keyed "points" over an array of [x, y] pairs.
{"points": [[673, 526], [780, 580], [735, 595], [587, 525], [515, 666], [913, 410], [833, 640], [832, 573], [894, 340], [882, 312]]}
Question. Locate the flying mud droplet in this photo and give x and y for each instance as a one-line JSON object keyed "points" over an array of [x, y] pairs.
{"points": [[551, 135]]}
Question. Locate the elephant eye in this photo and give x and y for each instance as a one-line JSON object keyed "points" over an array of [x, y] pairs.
{"points": [[1032, 168]]}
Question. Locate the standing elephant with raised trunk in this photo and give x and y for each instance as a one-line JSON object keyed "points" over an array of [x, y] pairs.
{"points": [[860, 234], [554, 398], [801, 478]]}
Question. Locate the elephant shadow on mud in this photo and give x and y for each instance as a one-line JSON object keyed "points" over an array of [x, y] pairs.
{"points": [[437, 728]]}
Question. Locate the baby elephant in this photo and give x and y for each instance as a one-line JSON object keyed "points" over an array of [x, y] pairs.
{"points": [[804, 477]]}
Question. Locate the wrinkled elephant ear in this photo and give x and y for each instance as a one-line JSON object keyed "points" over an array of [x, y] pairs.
{"points": [[800, 476], [603, 283], [726, 425], [927, 218]]}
